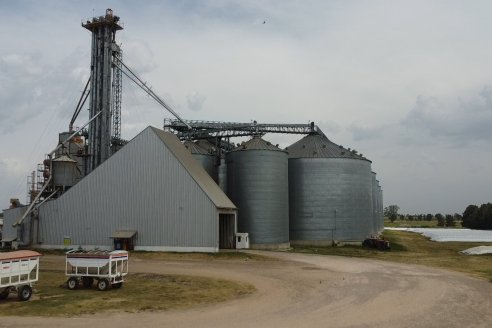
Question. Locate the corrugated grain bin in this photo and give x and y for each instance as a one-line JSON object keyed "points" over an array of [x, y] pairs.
{"points": [[375, 204], [65, 172], [330, 192], [206, 158], [220, 169], [257, 182], [381, 207]]}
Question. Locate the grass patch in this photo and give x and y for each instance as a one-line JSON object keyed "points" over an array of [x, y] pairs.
{"points": [[413, 248], [140, 292], [228, 256]]}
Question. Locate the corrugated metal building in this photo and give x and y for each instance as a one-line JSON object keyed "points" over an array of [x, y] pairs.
{"points": [[153, 192]]}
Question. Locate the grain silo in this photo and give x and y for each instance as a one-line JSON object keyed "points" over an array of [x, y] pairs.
{"points": [[381, 207], [65, 172], [375, 204], [206, 157], [330, 192], [257, 182], [220, 166]]}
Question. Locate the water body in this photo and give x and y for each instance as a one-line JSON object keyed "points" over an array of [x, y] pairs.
{"points": [[447, 234]]}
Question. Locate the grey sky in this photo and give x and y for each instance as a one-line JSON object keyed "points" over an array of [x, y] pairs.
{"points": [[406, 83]]}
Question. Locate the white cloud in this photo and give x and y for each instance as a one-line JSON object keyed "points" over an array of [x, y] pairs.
{"points": [[405, 83], [195, 101]]}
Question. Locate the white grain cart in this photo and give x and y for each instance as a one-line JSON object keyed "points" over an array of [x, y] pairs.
{"points": [[18, 271], [106, 267]]}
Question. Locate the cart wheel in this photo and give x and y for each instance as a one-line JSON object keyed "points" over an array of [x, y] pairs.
{"points": [[102, 284], [24, 293], [72, 283], [87, 282], [5, 293], [117, 285]]}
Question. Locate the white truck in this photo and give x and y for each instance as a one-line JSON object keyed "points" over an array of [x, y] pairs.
{"points": [[18, 271], [106, 267]]}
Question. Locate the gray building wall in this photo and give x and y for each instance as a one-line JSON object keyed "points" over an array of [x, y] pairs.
{"points": [[22, 231], [142, 187]]}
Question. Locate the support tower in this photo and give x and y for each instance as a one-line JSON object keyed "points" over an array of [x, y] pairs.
{"points": [[105, 54]]}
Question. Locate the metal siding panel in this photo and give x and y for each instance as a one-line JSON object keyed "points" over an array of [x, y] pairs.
{"points": [[330, 196], [9, 217], [257, 182], [142, 187], [375, 209], [23, 231]]}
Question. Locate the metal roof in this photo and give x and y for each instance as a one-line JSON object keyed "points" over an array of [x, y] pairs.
{"points": [[64, 158], [18, 255], [198, 173], [123, 234], [207, 145], [318, 146], [194, 148], [257, 143]]}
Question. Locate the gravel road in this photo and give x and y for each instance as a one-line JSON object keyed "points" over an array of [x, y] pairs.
{"points": [[298, 290]]}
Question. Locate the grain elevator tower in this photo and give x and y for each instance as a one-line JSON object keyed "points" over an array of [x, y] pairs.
{"points": [[105, 90]]}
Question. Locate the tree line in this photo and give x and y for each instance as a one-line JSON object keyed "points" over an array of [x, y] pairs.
{"points": [[476, 217], [473, 217]]}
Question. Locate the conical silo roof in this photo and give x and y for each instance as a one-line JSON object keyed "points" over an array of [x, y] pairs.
{"points": [[318, 146], [64, 158], [257, 143]]}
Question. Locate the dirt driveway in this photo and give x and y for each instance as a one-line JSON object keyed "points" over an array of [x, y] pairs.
{"points": [[298, 290]]}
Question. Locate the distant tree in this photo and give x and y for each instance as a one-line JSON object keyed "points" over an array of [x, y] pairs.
{"points": [[470, 217], [429, 217], [457, 217], [485, 217], [441, 222], [450, 222], [410, 217], [391, 212]]}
